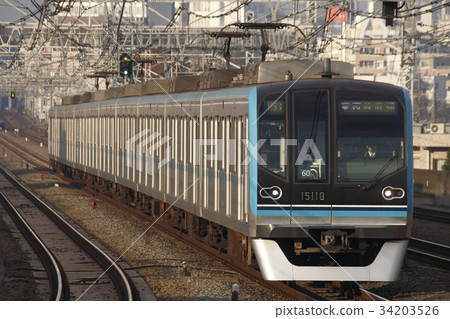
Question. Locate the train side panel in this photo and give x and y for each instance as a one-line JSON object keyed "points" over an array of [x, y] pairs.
{"points": [[187, 152]]}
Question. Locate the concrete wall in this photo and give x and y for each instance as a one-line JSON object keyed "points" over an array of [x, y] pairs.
{"points": [[432, 187]]}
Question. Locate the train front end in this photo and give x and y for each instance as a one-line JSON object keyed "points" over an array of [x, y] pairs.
{"points": [[331, 180]]}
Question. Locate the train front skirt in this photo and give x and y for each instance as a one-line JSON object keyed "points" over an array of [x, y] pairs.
{"points": [[275, 266]]}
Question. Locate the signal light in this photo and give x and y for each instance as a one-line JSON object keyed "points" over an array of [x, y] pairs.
{"points": [[126, 65], [12, 95], [389, 12]]}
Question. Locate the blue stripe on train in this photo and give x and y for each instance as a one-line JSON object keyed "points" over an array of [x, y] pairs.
{"points": [[336, 212], [369, 212]]}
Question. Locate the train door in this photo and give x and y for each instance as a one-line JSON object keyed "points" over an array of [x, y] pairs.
{"points": [[293, 158], [274, 193], [309, 162]]}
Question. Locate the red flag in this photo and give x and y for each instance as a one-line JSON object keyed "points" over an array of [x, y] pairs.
{"points": [[336, 14]]}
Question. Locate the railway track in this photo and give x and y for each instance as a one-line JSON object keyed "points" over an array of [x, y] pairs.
{"points": [[435, 215], [25, 125], [429, 252], [75, 274], [55, 273], [25, 154], [293, 292], [289, 292]]}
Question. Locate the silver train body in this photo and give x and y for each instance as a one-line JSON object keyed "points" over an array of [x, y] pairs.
{"points": [[199, 151]]}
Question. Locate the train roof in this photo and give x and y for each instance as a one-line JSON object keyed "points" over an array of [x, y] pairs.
{"points": [[236, 93], [169, 98], [251, 75], [226, 84]]}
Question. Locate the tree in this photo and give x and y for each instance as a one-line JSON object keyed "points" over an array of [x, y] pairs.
{"points": [[446, 166]]}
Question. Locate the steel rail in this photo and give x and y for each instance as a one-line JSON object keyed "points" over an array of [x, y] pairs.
{"points": [[294, 291], [429, 252], [5, 141], [435, 215], [248, 272], [124, 286], [55, 273]]}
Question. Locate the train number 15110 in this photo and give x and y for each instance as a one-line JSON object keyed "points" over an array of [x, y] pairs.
{"points": [[312, 196]]}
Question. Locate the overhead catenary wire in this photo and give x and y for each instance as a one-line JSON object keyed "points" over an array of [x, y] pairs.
{"points": [[60, 29]]}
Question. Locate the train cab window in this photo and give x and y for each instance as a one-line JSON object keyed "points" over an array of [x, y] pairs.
{"points": [[311, 135], [370, 136], [272, 133]]}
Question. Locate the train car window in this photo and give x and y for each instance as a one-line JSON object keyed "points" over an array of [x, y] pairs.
{"points": [[311, 139], [272, 131], [370, 136]]}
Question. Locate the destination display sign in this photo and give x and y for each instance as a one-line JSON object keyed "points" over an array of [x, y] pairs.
{"points": [[368, 107]]}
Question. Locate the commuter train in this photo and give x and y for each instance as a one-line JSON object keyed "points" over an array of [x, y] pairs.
{"points": [[308, 172]]}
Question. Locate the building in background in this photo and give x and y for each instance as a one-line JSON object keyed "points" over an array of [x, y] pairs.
{"points": [[431, 145], [59, 60]]}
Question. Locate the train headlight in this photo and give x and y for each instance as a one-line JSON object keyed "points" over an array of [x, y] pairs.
{"points": [[387, 193], [390, 193], [273, 192]]}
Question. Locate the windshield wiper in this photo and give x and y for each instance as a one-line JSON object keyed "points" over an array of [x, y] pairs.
{"points": [[377, 176]]}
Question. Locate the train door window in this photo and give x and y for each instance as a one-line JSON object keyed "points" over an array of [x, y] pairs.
{"points": [[103, 136], [168, 153], [238, 168], [245, 154], [89, 142], [311, 132], [272, 134], [206, 135], [212, 138], [174, 123], [215, 158], [100, 143], [226, 145], [94, 143], [184, 157], [147, 125], [189, 144], [111, 144], [108, 144], [160, 129], [133, 166], [82, 122], [232, 142], [195, 129], [120, 146], [86, 141], [223, 141], [176, 138], [129, 151], [140, 156], [183, 139], [179, 141]]}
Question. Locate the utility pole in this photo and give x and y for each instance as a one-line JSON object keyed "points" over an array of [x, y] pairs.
{"points": [[433, 110], [408, 64]]}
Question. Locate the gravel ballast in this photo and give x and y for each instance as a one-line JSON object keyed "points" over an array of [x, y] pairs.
{"points": [[159, 257]]}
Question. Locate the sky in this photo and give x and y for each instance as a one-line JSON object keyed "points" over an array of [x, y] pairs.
{"points": [[9, 14]]}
